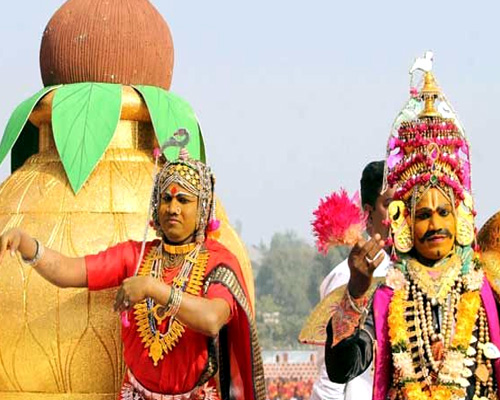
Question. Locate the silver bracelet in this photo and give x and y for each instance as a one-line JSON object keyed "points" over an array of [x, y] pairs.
{"points": [[353, 305], [38, 254]]}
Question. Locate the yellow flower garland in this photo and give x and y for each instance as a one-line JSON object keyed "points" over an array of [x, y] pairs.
{"points": [[396, 319], [413, 391], [467, 312]]}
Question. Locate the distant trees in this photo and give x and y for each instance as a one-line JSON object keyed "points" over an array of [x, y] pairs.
{"points": [[287, 286]]}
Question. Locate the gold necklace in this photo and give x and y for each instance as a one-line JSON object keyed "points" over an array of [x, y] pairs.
{"points": [[174, 254], [179, 249], [436, 287], [146, 312]]}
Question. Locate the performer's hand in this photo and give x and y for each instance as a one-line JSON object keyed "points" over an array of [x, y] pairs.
{"points": [[11, 240], [363, 259], [132, 291]]}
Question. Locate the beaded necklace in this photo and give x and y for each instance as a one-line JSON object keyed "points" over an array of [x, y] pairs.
{"points": [[149, 315], [432, 365]]}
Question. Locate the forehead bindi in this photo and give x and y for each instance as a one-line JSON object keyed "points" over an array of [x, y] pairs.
{"points": [[176, 191]]}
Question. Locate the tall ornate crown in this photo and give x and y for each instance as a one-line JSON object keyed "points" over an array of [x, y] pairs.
{"points": [[427, 145], [428, 148]]}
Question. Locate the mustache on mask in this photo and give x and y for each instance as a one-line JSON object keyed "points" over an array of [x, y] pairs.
{"points": [[440, 232]]}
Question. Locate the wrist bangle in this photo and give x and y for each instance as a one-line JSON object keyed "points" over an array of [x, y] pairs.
{"points": [[353, 304], [171, 308], [38, 254], [176, 302]]}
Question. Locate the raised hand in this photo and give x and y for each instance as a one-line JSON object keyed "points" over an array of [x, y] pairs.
{"points": [[363, 259]]}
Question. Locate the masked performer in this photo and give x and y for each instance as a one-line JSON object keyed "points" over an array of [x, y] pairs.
{"points": [[434, 323], [187, 307]]}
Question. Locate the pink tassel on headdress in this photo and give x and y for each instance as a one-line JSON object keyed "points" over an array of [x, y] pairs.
{"points": [[339, 221], [156, 152], [213, 225], [124, 319]]}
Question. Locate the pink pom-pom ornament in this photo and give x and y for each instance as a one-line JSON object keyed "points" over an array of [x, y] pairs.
{"points": [[124, 319], [339, 221], [213, 225]]}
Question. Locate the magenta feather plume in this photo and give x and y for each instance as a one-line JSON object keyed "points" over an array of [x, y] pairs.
{"points": [[338, 221]]}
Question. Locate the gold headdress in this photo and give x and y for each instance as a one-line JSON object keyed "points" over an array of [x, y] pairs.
{"points": [[427, 148], [193, 175]]}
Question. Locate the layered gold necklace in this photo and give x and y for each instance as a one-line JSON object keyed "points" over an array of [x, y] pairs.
{"points": [[149, 315], [436, 282]]}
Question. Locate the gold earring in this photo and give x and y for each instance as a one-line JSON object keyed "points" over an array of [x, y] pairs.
{"points": [[465, 221], [403, 238]]}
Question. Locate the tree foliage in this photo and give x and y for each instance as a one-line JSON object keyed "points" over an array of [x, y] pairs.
{"points": [[287, 285]]}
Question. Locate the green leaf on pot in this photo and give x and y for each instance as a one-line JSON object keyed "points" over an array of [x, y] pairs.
{"points": [[18, 120], [84, 120], [170, 112]]}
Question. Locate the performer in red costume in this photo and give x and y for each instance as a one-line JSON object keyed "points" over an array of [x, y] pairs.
{"points": [[183, 299]]}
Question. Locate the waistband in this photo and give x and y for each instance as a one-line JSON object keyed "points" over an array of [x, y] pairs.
{"points": [[133, 390]]}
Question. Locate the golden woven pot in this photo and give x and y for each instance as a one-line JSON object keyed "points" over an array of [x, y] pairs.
{"points": [[65, 343]]}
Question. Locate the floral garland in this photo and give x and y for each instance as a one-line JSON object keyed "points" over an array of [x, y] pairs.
{"points": [[451, 380]]}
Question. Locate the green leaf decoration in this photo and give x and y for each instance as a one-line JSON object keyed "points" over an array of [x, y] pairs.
{"points": [[84, 120], [18, 120], [169, 113]]}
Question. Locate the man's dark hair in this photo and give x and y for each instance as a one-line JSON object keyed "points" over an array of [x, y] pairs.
{"points": [[371, 182]]}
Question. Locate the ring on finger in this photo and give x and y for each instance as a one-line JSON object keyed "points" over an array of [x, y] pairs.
{"points": [[372, 260]]}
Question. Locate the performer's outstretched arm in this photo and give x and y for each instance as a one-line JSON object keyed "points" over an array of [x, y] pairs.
{"points": [[58, 269]]}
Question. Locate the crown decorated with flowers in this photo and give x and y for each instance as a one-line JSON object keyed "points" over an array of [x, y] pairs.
{"points": [[427, 146]]}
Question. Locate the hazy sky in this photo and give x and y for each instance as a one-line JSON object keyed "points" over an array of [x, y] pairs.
{"points": [[295, 97]]}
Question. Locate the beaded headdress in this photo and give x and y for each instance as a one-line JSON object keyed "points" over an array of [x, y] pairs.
{"points": [[427, 149], [194, 176]]}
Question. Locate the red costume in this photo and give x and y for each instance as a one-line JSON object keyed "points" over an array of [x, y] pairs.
{"points": [[194, 360]]}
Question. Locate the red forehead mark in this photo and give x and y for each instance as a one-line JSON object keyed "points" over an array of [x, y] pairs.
{"points": [[174, 190]]}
